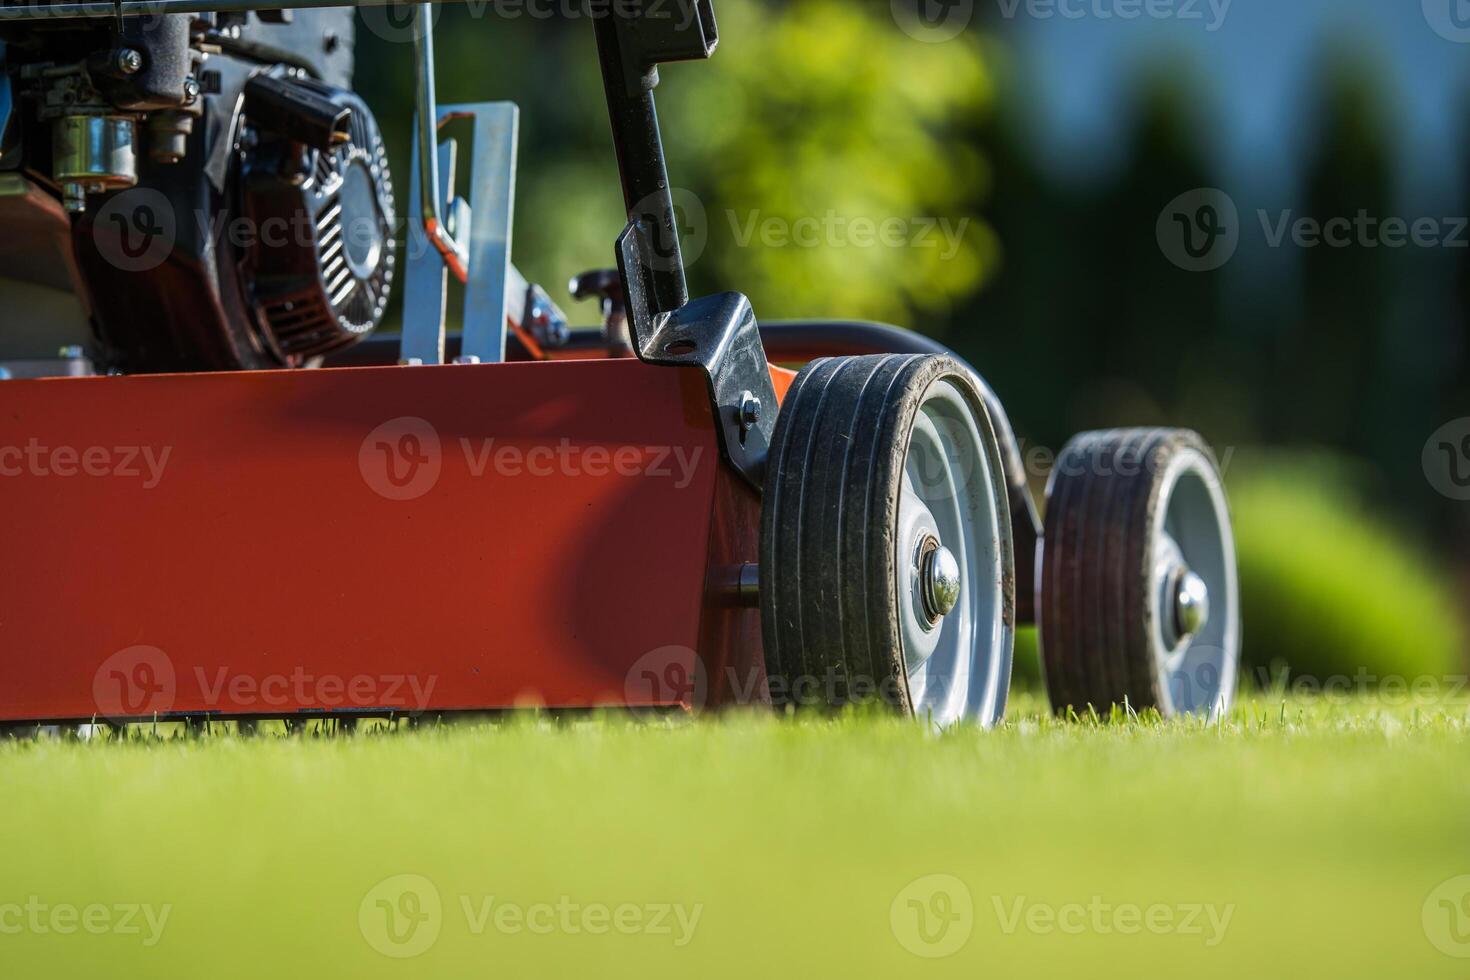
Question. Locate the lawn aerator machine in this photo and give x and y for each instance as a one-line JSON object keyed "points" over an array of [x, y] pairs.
{"points": [[228, 502]]}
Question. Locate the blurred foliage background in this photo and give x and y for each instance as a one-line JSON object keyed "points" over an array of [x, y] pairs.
{"points": [[1320, 376]]}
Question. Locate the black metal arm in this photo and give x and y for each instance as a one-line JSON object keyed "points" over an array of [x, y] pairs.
{"points": [[717, 334], [632, 39]]}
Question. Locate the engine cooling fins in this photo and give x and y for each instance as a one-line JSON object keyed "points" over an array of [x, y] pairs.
{"points": [[317, 197]]}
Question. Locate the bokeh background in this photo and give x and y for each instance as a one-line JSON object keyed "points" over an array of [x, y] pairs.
{"points": [[1043, 143]]}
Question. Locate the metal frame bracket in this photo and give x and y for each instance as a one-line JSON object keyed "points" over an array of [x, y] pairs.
{"points": [[489, 298], [718, 334]]}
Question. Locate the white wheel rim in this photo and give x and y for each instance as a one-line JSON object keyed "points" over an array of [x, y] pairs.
{"points": [[1196, 673], [958, 667]]}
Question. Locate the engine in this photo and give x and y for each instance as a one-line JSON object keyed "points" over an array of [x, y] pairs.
{"points": [[215, 195], [316, 193]]}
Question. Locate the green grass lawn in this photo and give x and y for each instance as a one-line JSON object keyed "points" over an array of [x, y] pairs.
{"points": [[1299, 838]]}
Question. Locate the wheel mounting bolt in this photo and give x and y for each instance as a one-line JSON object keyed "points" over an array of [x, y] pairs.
{"points": [[1191, 603]]}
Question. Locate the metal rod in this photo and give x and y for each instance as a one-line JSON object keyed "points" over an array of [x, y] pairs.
{"points": [[640, 151], [455, 255], [103, 9]]}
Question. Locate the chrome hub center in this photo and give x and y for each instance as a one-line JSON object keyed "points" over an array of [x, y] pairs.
{"points": [[939, 579], [1191, 603]]}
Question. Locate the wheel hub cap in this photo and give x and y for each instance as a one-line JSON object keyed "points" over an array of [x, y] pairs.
{"points": [[939, 578], [1191, 603]]}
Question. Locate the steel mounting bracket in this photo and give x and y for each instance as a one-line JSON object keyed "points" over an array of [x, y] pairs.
{"points": [[718, 334]]}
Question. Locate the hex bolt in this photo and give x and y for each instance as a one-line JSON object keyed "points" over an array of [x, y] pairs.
{"points": [[191, 90], [750, 410], [129, 61]]}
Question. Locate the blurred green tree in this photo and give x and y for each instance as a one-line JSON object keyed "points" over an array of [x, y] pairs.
{"points": [[1088, 324], [1329, 369], [816, 121]]}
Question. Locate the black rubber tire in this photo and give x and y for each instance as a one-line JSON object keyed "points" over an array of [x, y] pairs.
{"points": [[828, 593], [1094, 608]]}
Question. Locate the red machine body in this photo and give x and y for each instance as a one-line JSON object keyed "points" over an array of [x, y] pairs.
{"points": [[371, 541]]}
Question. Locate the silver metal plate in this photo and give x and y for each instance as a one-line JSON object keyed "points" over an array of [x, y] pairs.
{"points": [[487, 298]]}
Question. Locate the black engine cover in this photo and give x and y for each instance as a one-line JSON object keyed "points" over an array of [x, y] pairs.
{"points": [[200, 294], [319, 265]]}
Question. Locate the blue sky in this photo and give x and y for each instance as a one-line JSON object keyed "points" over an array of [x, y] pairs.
{"points": [[1077, 70]]}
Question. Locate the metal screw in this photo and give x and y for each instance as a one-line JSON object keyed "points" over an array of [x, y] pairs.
{"points": [[74, 197], [1191, 603], [129, 62], [750, 410], [191, 91]]}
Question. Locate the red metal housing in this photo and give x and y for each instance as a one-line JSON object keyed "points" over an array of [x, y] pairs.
{"points": [[371, 541]]}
